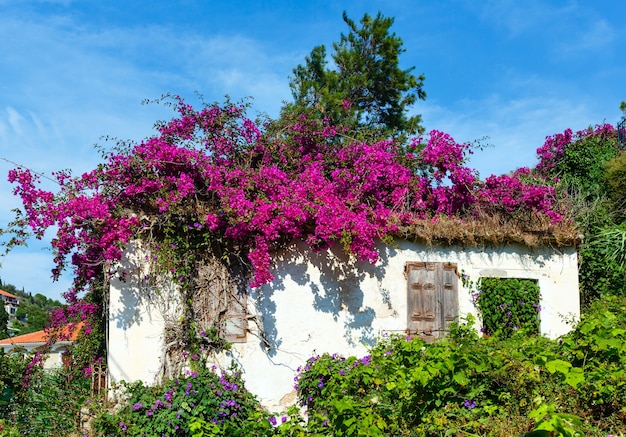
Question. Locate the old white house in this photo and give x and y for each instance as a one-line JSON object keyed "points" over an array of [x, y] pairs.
{"points": [[323, 302], [11, 304], [33, 341]]}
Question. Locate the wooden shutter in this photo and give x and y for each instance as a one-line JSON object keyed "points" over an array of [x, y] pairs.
{"points": [[235, 322], [432, 298], [450, 298], [225, 309], [66, 359]]}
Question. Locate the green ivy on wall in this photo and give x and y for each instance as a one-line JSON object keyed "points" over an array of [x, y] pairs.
{"points": [[508, 304]]}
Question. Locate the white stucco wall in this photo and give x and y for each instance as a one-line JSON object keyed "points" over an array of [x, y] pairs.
{"points": [[137, 314], [322, 302]]}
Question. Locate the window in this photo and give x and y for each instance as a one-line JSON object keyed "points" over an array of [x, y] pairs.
{"points": [[509, 304], [432, 298], [235, 323], [220, 301], [66, 359], [224, 309]]}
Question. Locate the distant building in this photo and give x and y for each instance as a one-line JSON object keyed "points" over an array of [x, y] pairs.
{"points": [[28, 343], [11, 303]]}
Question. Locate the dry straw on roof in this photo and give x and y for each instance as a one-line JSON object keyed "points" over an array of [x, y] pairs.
{"points": [[532, 231]]}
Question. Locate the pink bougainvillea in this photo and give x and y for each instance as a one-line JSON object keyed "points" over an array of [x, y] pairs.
{"points": [[212, 174], [554, 146]]}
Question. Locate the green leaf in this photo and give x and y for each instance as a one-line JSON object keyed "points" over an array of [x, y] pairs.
{"points": [[574, 377], [558, 366], [461, 379]]}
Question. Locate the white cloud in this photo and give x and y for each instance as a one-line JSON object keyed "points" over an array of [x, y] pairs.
{"points": [[16, 121], [594, 36], [66, 85], [519, 19], [514, 127]]}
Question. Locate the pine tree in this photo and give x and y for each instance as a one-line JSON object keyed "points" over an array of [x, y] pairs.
{"points": [[366, 90]]}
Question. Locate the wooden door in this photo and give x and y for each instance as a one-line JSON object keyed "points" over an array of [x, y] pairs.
{"points": [[432, 298]]}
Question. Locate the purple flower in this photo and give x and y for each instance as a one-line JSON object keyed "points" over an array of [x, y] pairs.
{"points": [[123, 426], [272, 420], [469, 404]]}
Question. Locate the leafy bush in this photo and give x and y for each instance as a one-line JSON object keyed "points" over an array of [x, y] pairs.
{"points": [[408, 387], [12, 370], [8, 430], [49, 404], [38, 402], [602, 270], [598, 347], [579, 159], [197, 403], [615, 176], [466, 385], [52, 403]]}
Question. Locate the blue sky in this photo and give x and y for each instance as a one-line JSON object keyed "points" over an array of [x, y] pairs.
{"points": [[75, 71]]}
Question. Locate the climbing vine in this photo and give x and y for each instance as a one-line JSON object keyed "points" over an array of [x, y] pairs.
{"points": [[508, 304]]}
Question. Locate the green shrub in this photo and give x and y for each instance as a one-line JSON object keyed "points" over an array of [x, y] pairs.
{"points": [[466, 385], [51, 404], [598, 347], [12, 369], [198, 403], [407, 387], [8, 430], [615, 176]]}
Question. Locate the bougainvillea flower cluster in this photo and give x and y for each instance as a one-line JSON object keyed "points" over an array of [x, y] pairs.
{"points": [[216, 174]]}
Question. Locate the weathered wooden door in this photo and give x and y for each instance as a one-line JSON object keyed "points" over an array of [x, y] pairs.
{"points": [[432, 298]]}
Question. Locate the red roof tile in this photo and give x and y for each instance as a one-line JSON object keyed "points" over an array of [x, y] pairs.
{"points": [[7, 294], [42, 336]]}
